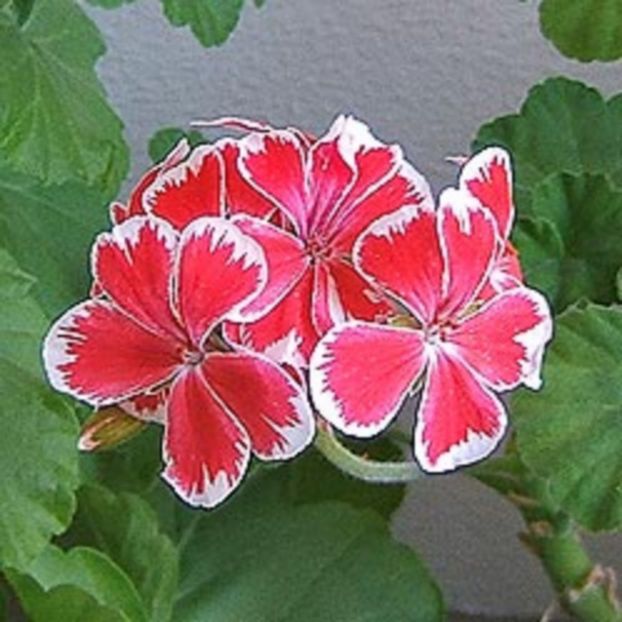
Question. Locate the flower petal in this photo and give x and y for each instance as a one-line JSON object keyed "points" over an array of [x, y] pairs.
{"points": [[504, 340], [331, 169], [327, 309], [469, 243], [402, 185], [95, 353], [148, 406], [400, 253], [488, 177], [285, 258], [273, 163], [133, 265], [220, 271], [361, 373], [206, 451], [272, 408], [120, 212], [189, 190], [506, 273], [459, 420], [241, 197], [287, 333]]}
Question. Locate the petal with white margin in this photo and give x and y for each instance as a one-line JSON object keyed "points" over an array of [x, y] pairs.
{"points": [[360, 374], [265, 399], [459, 421], [133, 265], [274, 164], [469, 243], [206, 451], [402, 185], [97, 354], [504, 340], [488, 177], [219, 272], [189, 190], [401, 254], [285, 258], [287, 333]]}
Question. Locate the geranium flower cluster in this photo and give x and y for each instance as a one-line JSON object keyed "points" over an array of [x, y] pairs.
{"points": [[244, 271]]}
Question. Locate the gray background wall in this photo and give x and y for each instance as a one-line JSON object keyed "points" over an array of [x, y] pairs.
{"points": [[425, 73]]}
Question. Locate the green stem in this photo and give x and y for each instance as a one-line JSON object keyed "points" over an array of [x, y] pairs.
{"points": [[585, 590], [360, 467]]}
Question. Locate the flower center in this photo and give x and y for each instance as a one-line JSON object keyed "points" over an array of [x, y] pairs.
{"points": [[191, 356], [317, 249]]}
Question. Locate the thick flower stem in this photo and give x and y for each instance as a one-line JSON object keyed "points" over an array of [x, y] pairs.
{"points": [[358, 466]]}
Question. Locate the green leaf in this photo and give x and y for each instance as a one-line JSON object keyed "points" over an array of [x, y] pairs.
{"points": [[264, 559], [563, 126], [125, 528], [570, 432], [163, 141], [62, 586], [211, 21], [49, 230], [38, 456], [571, 247], [584, 29], [109, 4], [55, 122]]}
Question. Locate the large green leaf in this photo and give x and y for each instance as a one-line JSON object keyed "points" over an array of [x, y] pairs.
{"points": [[55, 122], [49, 230], [571, 431], [211, 21], [584, 29], [571, 246], [563, 126], [265, 559], [125, 528], [77, 585], [38, 457], [109, 4]]}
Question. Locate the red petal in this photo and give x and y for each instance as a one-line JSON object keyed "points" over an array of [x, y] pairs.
{"points": [[400, 252], [488, 177], [360, 300], [119, 212], [506, 274], [268, 403], [361, 373], [504, 340], [241, 197], [402, 186], [273, 163], [98, 355], [206, 451], [285, 258], [331, 169], [148, 406], [459, 420], [327, 309], [133, 265], [468, 237], [221, 271], [286, 334], [189, 190]]}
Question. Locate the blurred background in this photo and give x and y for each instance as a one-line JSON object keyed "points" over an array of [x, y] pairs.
{"points": [[422, 73]]}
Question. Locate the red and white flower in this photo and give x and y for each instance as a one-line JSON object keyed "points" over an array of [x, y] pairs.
{"points": [[329, 192], [305, 201], [463, 348], [153, 330]]}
